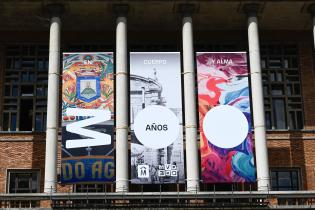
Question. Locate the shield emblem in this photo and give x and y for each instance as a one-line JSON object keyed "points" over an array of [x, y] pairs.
{"points": [[88, 88]]}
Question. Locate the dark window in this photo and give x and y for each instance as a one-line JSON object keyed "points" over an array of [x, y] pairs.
{"points": [[282, 91], [285, 179], [89, 48], [200, 47], [23, 181], [80, 188], [26, 114], [25, 88]]}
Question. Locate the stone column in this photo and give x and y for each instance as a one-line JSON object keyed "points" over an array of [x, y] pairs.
{"points": [[192, 162], [257, 98], [55, 11], [311, 10], [122, 98]]}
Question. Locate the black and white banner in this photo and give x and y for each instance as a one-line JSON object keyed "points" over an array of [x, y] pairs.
{"points": [[156, 118]]}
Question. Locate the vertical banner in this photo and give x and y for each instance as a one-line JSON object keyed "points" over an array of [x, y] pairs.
{"points": [[226, 144], [87, 118], [156, 118]]}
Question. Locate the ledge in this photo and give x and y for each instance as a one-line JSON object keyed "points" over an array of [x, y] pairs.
{"points": [[158, 200]]}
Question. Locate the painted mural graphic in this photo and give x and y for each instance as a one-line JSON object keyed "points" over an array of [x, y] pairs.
{"points": [[87, 118], [226, 144]]}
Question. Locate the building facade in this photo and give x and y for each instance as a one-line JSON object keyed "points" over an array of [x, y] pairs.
{"points": [[281, 57]]}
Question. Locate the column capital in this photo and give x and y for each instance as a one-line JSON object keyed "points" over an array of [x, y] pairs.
{"points": [[187, 9], [311, 9], [121, 9], [251, 9], [54, 9]]}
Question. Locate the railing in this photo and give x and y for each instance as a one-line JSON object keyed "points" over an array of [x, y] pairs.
{"points": [[203, 200]]}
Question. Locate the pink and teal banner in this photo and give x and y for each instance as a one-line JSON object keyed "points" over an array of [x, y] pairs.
{"points": [[226, 144]]}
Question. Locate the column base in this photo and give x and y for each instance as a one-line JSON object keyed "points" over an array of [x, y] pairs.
{"points": [[193, 186], [122, 186]]}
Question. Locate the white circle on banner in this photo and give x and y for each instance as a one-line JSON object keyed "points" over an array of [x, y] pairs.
{"points": [[156, 127], [225, 126]]}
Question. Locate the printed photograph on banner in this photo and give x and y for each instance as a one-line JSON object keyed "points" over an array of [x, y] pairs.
{"points": [[87, 118], [226, 143], [157, 155]]}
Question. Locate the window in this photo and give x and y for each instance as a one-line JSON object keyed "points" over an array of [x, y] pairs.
{"points": [[90, 47], [285, 179], [281, 87], [81, 188], [214, 47], [23, 181], [25, 88], [153, 47]]}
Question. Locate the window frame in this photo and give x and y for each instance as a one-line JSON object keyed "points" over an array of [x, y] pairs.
{"points": [[21, 171], [290, 67], [286, 169], [13, 82], [93, 187]]}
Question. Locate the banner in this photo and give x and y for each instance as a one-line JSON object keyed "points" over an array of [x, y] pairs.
{"points": [[87, 118], [156, 118], [226, 144]]}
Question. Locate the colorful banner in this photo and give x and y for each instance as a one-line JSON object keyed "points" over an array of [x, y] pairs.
{"points": [[87, 118], [226, 144], [156, 118]]}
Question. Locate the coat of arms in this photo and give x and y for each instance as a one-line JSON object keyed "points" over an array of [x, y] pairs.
{"points": [[88, 88], [88, 81]]}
